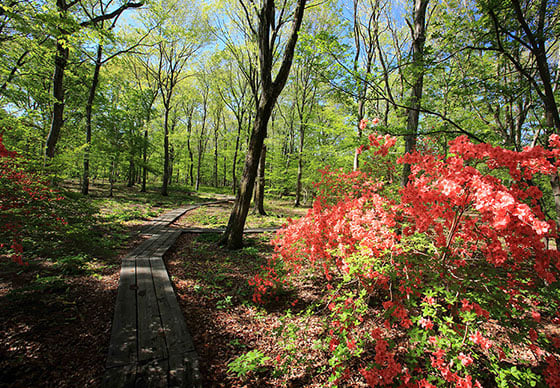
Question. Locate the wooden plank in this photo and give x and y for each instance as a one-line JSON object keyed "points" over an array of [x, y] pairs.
{"points": [[120, 377], [177, 336], [160, 242], [167, 242], [151, 341], [123, 345], [143, 246], [203, 230], [184, 371], [152, 374], [174, 215], [166, 219]]}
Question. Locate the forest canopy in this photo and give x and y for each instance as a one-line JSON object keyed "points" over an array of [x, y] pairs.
{"points": [[166, 91]]}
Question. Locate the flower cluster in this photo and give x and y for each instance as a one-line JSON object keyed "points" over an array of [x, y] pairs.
{"points": [[464, 244], [25, 204]]}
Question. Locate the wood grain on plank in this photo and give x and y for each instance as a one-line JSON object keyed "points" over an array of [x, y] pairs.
{"points": [[151, 341], [123, 345]]}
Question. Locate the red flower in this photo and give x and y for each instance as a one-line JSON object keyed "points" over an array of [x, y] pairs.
{"points": [[465, 360], [426, 323], [363, 124]]}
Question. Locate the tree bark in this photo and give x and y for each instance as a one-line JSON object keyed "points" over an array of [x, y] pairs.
{"points": [[259, 189], [369, 45], [165, 182], [413, 112], [269, 92], [234, 163], [89, 108], [112, 178], [131, 169], [536, 43], [189, 149], [233, 237], [300, 165], [224, 182], [216, 133], [144, 161], [60, 61]]}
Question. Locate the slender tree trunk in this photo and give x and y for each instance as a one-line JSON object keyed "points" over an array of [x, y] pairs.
{"points": [[419, 37], [171, 151], [215, 174], [224, 182], [60, 61], [361, 114], [300, 165], [144, 161], [259, 188], [112, 178], [234, 163], [171, 162], [189, 149], [201, 146], [131, 169], [89, 108], [289, 149], [165, 183]]}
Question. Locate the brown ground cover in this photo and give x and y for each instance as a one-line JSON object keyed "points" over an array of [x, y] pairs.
{"points": [[55, 329]]}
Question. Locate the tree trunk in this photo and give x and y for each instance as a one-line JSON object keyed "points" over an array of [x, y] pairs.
{"points": [[89, 108], [201, 146], [189, 149], [171, 163], [165, 182], [144, 161], [300, 165], [131, 169], [233, 237], [269, 92], [361, 114], [224, 182], [112, 178], [60, 61], [215, 173], [234, 163], [259, 189], [419, 37]]}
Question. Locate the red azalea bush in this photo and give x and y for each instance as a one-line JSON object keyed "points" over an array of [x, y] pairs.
{"points": [[459, 265], [28, 206]]}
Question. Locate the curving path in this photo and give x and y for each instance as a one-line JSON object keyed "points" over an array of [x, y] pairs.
{"points": [[150, 345]]}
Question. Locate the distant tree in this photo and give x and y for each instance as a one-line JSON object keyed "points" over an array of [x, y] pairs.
{"points": [[179, 32]]}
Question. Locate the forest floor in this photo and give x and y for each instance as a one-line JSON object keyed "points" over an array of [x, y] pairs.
{"points": [[56, 311]]}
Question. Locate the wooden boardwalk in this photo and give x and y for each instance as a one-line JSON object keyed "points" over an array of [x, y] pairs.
{"points": [[150, 344]]}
